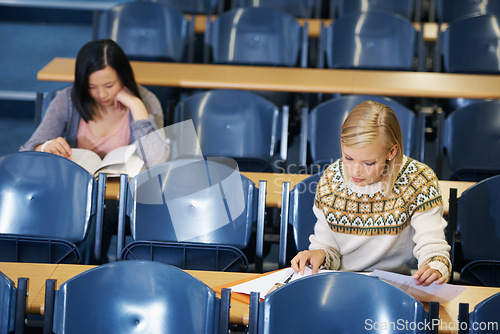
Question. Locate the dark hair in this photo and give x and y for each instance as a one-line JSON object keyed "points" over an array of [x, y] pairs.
{"points": [[92, 57]]}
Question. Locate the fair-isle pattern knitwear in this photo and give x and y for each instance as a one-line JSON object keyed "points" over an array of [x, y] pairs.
{"points": [[416, 190]]}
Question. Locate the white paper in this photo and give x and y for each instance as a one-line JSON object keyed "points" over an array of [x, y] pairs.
{"points": [[265, 283], [87, 159], [441, 293]]}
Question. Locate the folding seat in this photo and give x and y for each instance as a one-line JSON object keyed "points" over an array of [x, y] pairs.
{"points": [[339, 302], [136, 296], [238, 124], [51, 210], [474, 221], [468, 142], [374, 40], [193, 213]]}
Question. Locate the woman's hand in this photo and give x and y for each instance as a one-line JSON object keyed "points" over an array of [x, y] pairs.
{"points": [[125, 101], [425, 275], [315, 258], [57, 146]]}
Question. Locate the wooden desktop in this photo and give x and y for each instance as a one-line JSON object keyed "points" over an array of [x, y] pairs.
{"points": [[305, 80]]}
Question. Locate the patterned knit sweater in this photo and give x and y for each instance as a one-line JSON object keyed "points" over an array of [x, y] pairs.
{"points": [[360, 229]]}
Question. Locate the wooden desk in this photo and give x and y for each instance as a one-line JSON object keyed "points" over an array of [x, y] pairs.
{"points": [[306, 80], [38, 273], [275, 181]]}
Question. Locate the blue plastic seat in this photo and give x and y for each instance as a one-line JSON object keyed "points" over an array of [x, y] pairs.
{"points": [[202, 7], [405, 8], [297, 8], [237, 124], [475, 218], [256, 36], [451, 10], [468, 141], [12, 304], [338, 302], [136, 297], [374, 40], [470, 45], [50, 210], [148, 31], [297, 214], [42, 103], [484, 319], [194, 214], [320, 129]]}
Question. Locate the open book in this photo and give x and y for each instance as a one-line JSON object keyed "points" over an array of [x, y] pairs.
{"points": [[122, 160]]}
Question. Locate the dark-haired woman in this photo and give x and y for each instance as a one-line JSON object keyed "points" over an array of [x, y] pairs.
{"points": [[103, 110]]}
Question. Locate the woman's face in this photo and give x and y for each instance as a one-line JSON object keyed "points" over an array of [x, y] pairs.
{"points": [[104, 85], [365, 165]]}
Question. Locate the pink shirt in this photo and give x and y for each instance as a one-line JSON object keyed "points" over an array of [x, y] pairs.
{"points": [[102, 146]]}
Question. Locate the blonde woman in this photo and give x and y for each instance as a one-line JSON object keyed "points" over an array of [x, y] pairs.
{"points": [[375, 207]]}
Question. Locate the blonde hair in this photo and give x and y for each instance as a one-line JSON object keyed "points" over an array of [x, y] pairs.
{"points": [[371, 121]]}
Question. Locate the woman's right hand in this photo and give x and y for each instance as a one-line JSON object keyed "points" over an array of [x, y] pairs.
{"points": [[57, 146], [315, 258]]}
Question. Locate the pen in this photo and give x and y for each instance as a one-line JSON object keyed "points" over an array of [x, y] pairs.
{"points": [[289, 278]]}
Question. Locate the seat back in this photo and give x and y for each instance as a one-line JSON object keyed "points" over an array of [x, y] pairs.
{"points": [[481, 273], [321, 128], [202, 7], [327, 301], [372, 40], [451, 10], [470, 45], [42, 103], [256, 36], [48, 202], [297, 8], [297, 213], [404, 8], [135, 296], [478, 220], [485, 317], [191, 202], [237, 124], [474, 156], [148, 31]]}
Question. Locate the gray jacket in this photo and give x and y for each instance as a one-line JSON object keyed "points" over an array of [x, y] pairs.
{"points": [[61, 120]]}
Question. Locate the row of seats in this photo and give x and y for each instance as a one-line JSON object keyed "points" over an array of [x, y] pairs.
{"points": [[264, 36], [192, 213], [53, 213], [255, 132], [115, 297], [252, 130], [440, 10]]}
